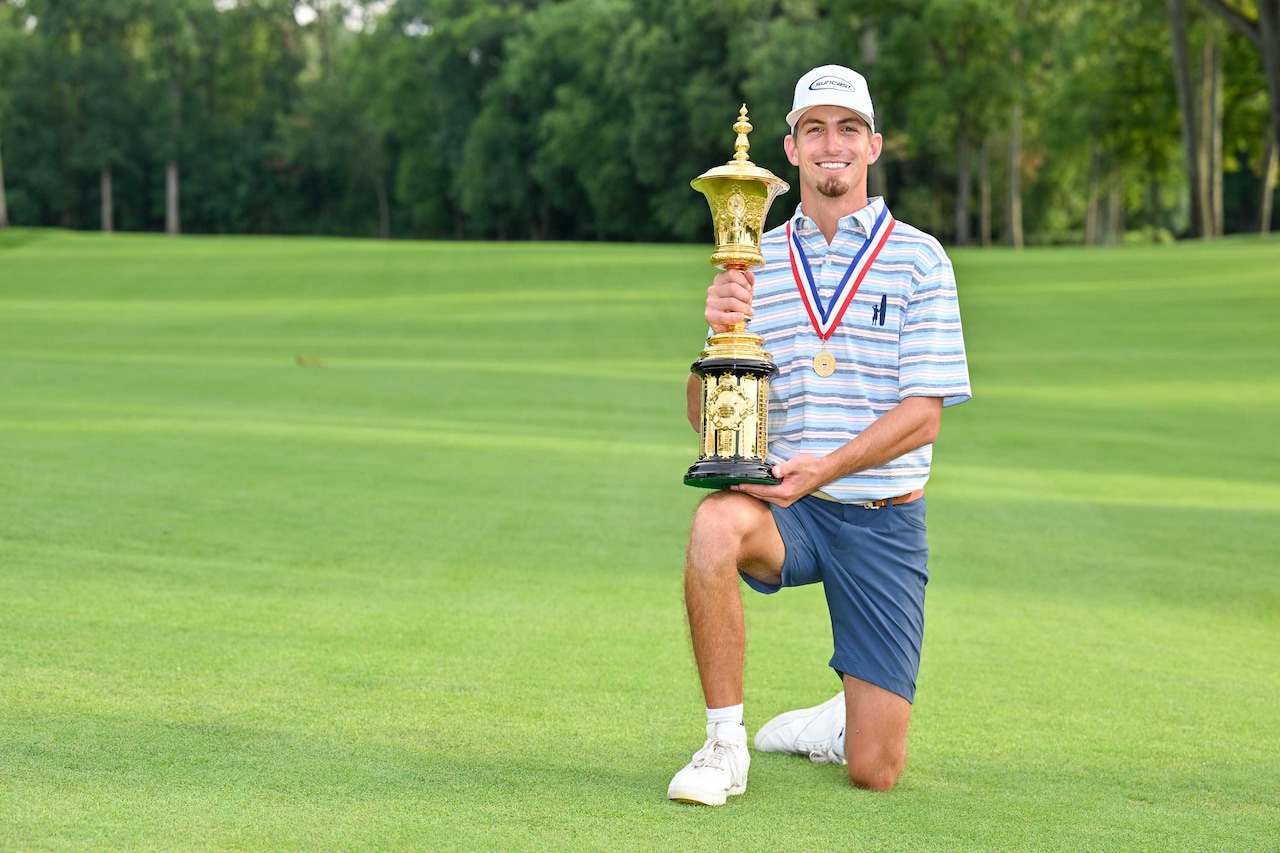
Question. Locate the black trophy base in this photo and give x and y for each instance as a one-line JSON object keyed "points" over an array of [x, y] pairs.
{"points": [[720, 473]]}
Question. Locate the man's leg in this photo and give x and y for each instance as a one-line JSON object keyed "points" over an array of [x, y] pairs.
{"points": [[875, 737], [730, 532], [874, 576]]}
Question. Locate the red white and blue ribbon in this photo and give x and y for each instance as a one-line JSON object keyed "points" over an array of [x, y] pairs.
{"points": [[826, 318]]}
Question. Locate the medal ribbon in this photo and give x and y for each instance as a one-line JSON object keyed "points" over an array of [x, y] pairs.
{"points": [[826, 318]]}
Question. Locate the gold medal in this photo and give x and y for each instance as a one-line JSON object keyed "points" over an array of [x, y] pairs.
{"points": [[824, 363]]}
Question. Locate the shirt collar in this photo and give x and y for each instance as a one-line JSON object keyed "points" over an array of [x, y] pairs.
{"points": [[859, 222]]}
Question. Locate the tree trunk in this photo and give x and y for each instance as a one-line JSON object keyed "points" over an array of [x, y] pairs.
{"points": [[172, 223], [172, 219], [1153, 196], [1115, 211], [1091, 208], [1177, 10], [384, 208], [1264, 33], [1209, 161], [964, 183], [1013, 189], [984, 193], [1217, 166], [1270, 164], [108, 201], [544, 219], [1203, 130], [1269, 30], [1013, 197], [4, 205]]}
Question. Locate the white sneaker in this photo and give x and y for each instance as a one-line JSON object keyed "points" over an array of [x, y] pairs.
{"points": [[810, 731], [718, 770]]}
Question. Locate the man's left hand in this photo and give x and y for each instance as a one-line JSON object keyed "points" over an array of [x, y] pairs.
{"points": [[800, 475]]}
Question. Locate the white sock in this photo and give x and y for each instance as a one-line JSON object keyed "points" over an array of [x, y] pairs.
{"points": [[837, 745], [731, 715]]}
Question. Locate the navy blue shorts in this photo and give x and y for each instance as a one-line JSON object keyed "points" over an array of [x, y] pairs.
{"points": [[873, 564]]}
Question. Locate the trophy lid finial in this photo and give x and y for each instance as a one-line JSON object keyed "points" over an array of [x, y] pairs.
{"points": [[743, 127]]}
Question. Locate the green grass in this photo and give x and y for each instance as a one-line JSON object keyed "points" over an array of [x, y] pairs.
{"points": [[428, 595]]}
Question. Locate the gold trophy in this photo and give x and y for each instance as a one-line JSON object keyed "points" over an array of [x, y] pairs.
{"points": [[734, 368]]}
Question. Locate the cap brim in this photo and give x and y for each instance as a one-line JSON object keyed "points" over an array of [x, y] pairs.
{"points": [[794, 115]]}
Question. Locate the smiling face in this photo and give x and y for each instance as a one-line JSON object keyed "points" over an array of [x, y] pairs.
{"points": [[833, 147]]}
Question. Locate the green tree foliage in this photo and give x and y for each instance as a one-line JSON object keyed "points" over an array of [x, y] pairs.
{"points": [[106, 82], [420, 75], [1114, 126], [945, 67], [239, 90], [586, 119]]}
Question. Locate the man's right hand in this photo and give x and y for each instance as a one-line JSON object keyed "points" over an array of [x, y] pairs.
{"points": [[729, 299]]}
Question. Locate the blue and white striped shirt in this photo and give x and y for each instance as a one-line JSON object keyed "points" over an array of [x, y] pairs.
{"points": [[899, 338]]}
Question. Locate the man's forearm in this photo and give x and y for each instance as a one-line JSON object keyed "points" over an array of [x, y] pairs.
{"points": [[912, 423]]}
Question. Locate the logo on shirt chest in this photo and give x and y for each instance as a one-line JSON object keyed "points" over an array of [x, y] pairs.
{"points": [[880, 310]]}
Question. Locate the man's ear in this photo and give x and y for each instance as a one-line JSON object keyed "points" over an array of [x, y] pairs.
{"points": [[877, 145], [789, 145]]}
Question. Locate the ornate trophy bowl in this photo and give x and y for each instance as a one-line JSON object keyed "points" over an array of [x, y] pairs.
{"points": [[734, 368]]}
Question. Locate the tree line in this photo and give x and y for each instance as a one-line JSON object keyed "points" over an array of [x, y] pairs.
{"points": [[1005, 121]]}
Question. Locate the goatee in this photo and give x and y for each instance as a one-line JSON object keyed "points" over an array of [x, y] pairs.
{"points": [[833, 188]]}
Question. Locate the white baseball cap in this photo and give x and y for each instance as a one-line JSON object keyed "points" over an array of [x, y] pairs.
{"points": [[832, 86]]}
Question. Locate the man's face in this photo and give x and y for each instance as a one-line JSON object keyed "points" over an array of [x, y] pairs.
{"points": [[833, 147]]}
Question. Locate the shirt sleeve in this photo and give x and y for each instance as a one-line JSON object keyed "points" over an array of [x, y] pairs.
{"points": [[931, 358]]}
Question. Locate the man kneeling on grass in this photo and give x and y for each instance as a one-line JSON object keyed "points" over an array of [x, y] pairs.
{"points": [[843, 282]]}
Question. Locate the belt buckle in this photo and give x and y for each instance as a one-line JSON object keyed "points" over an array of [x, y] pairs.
{"points": [[870, 504]]}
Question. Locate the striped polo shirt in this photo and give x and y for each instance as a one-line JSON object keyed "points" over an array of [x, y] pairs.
{"points": [[899, 338]]}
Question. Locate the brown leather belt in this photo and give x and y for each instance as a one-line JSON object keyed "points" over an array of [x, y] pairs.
{"points": [[900, 499]]}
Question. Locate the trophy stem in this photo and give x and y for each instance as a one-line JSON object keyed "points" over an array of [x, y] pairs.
{"points": [[740, 326]]}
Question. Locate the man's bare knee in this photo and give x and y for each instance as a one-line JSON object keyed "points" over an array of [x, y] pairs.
{"points": [[715, 535], [723, 521], [733, 531], [727, 512], [875, 775]]}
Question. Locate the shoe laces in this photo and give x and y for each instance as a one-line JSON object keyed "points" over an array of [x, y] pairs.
{"points": [[826, 753], [714, 754], [824, 756]]}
